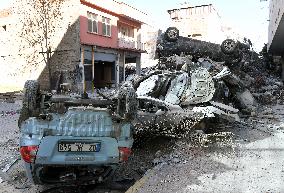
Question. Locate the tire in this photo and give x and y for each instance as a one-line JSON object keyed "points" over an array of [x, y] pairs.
{"points": [[172, 34], [229, 46], [24, 115], [30, 101]]}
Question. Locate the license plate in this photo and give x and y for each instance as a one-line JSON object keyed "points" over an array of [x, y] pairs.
{"points": [[78, 147]]}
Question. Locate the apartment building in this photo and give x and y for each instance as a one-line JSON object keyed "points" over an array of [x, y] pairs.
{"points": [[101, 35], [110, 37], [276, 27], [201, 22], [275, 44]]}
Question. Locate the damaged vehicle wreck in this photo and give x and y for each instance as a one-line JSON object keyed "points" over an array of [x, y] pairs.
{"points": [[181, 99], [68, 139], [190, 86]]}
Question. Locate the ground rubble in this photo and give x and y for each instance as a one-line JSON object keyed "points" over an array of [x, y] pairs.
{"points": [[188, 166]]}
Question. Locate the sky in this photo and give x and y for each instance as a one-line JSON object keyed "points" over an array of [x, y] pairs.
{"points": [[249, 17], [4, 3]]}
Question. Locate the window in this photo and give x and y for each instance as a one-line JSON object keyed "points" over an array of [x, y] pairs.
{"points": [[106, 26], [126, 31], [92, 22]]}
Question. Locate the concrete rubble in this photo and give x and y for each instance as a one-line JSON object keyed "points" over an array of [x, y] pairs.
{"points": [[193, 81]]}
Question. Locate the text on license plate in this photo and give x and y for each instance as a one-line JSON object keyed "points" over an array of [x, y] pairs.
{"points": [[78, 147]]}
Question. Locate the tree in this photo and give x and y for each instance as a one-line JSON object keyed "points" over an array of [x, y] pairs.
{"points": [[39, 21]]}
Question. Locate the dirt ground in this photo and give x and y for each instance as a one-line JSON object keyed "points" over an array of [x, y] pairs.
{"points": [[253, 162], [250, 161]]}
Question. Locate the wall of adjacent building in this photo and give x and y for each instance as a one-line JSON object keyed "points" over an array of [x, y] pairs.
{"points": [[199, 22], [276, 12], [100, 40], [9, 55], [202, 23], [25, 60]]}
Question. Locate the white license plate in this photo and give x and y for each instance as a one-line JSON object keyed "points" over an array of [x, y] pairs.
{"points": [[78, 147]]}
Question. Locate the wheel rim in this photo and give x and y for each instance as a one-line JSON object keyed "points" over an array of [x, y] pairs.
{"points": [[229, 45], [172, 33]]}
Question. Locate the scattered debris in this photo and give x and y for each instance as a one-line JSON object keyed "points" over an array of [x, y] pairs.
{"points": [[9, 165]]}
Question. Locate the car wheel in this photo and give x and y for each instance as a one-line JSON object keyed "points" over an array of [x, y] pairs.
{"points": [[172, 34], [30, 101], [229, 46]]}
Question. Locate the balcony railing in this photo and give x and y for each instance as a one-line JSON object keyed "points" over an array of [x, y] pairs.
{"points": [[131, 44]]}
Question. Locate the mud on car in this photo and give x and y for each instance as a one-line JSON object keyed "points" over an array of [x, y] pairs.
{"points": [[70, 139]]}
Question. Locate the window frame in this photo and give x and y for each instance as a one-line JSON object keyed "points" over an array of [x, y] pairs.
{"points": [[126, 31], [106, 26], [92, 17]]}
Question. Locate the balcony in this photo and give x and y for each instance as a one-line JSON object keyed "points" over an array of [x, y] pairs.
{"points": [[131, 44]]}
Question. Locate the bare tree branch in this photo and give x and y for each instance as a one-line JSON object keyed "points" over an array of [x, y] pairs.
{"points": [[39, 21]]}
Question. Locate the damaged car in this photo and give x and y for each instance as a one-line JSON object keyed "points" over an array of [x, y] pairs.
{"points": [[73, 139], [190, 85], [181, 99], [170, 43]]}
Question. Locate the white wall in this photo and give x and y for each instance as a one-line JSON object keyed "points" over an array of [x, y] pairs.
{"points": [[276, 11], [24, 61]]}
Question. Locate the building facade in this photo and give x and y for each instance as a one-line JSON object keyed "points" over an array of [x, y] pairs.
{"points": [[202, 22], [101, 35], [8, 54], [110, 37], [275, 44], [199, 22], [276, 27]]}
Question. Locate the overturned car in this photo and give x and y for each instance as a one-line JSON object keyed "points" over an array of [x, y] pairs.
{"points": [[192, 84], [66, 138], [181, 99]]}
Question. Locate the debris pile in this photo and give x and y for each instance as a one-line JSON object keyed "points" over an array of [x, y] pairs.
{"points": [[197, 81], [193, 83]]}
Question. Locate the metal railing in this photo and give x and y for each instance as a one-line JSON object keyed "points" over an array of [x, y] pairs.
{"points": [[130, 44]]}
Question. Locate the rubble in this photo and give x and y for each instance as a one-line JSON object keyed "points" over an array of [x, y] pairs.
{"points": [[9, 165], [196, 80], [190, 74]]}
